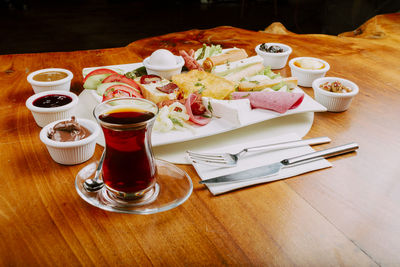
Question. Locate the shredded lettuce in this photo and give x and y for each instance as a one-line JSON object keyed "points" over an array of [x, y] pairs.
{"points": [[277, 86], [268, 72], [173, 117], [207, 51], [280, 87]]}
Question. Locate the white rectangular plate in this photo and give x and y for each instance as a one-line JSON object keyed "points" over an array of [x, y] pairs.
{"points": [[216, 126]]}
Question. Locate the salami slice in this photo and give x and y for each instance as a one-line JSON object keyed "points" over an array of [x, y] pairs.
{"points": [[197, 119], [276, 101], [190, 61], [168, 88]]}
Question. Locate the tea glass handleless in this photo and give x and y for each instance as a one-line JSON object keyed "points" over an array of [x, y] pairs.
{"points": [[134, 181]]}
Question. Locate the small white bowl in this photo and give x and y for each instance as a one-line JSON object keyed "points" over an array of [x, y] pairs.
{"points": [[334, 102], [307, 76], [44, 116], [61, 85], [274, 60], [165, 72], [73, 152]]}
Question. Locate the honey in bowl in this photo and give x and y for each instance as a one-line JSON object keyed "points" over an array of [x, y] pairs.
{"points": [[50, 76], [128, 165]]}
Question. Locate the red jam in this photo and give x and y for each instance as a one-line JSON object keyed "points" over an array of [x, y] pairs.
{"points": [[52, 101]]}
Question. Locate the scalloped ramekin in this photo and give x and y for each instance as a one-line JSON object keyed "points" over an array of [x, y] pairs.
{"points": [[165, 72], [334, 102], [306, 77], [44, 116], [60, 85], [274, 60], [73, 152]]}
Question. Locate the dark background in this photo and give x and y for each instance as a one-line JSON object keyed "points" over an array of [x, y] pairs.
{"points": [[43, 26]]}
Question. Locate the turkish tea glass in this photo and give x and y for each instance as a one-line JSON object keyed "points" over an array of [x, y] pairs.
{"points": [[129, 169]]}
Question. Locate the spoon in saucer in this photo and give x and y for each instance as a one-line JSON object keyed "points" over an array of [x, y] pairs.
{"points": [[95, 184]]}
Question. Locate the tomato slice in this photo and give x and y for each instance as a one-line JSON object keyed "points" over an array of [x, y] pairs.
{"points": [[120, 90], [121, 78], [99, 71], [134, 91], [151, 78]]}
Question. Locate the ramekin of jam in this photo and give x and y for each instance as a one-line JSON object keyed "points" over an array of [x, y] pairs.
{"points": [[274, 55], [50, 79], [70, 141], [50, 106]]}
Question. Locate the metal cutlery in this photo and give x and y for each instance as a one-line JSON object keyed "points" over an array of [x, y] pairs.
{"points": [[95, 184], [230, 160], [274, 168]]}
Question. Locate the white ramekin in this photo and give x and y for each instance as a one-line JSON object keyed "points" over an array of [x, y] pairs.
{"points": [[44, 116], [306, 77], [334, 102], [60, 85], [74, 152], [275, 60], [165, 72]]}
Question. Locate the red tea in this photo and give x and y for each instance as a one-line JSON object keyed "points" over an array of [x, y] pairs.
{"points": [[128, 164]]}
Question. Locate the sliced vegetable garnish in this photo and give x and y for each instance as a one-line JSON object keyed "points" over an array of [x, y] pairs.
{"points": [[121, 78], [136, 73], [120, 91], [146, 79], [99, 71]]}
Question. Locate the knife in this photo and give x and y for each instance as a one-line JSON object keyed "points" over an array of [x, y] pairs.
{"points": [[274, 168]]}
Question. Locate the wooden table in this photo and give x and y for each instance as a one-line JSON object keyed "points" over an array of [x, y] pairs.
{"points": [[345, 215]]}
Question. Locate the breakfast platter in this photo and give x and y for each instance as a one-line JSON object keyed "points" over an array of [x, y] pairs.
{"points": [[232, 117]]}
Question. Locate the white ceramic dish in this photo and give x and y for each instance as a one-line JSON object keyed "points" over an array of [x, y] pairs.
{"points": [[307, 76], [275, 60], [89, 99], [60, 85], [75, 152], [165, 72], [44, 116], [334, 102]]}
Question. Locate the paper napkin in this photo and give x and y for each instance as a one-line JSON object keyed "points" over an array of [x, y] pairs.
{"points": [[256, 159]]}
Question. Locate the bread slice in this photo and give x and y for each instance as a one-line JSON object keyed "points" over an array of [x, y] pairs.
{"points": [[290, 82], [150, 91]]}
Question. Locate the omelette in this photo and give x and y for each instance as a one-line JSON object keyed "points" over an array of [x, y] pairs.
{"points": [[204, 83]]}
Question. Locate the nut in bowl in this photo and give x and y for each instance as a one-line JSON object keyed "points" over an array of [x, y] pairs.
{"points": [[50, 79], [334, 93], [163, 63], [307, 69], [71, 141], [50, 106], [274, 55]]}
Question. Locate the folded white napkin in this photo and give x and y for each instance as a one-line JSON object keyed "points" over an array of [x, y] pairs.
{"points": [[256, 159]]}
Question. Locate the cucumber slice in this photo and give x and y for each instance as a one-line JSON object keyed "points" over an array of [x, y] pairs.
{"points": [[101, 88], [93, 81]]}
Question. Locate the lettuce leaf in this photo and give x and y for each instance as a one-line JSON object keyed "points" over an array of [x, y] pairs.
{"points": [[268, 72], [207, 51]]}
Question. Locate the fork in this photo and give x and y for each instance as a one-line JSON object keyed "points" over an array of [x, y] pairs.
{"points": [[230, 160]]}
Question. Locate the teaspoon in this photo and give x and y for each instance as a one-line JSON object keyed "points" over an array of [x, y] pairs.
{"points": [[95, 184]]}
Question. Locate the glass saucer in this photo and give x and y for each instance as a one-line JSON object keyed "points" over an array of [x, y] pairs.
{"points": [[173, 187]]}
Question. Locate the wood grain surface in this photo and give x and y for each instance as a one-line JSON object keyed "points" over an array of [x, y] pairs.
{"points": [[347, 215]]}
